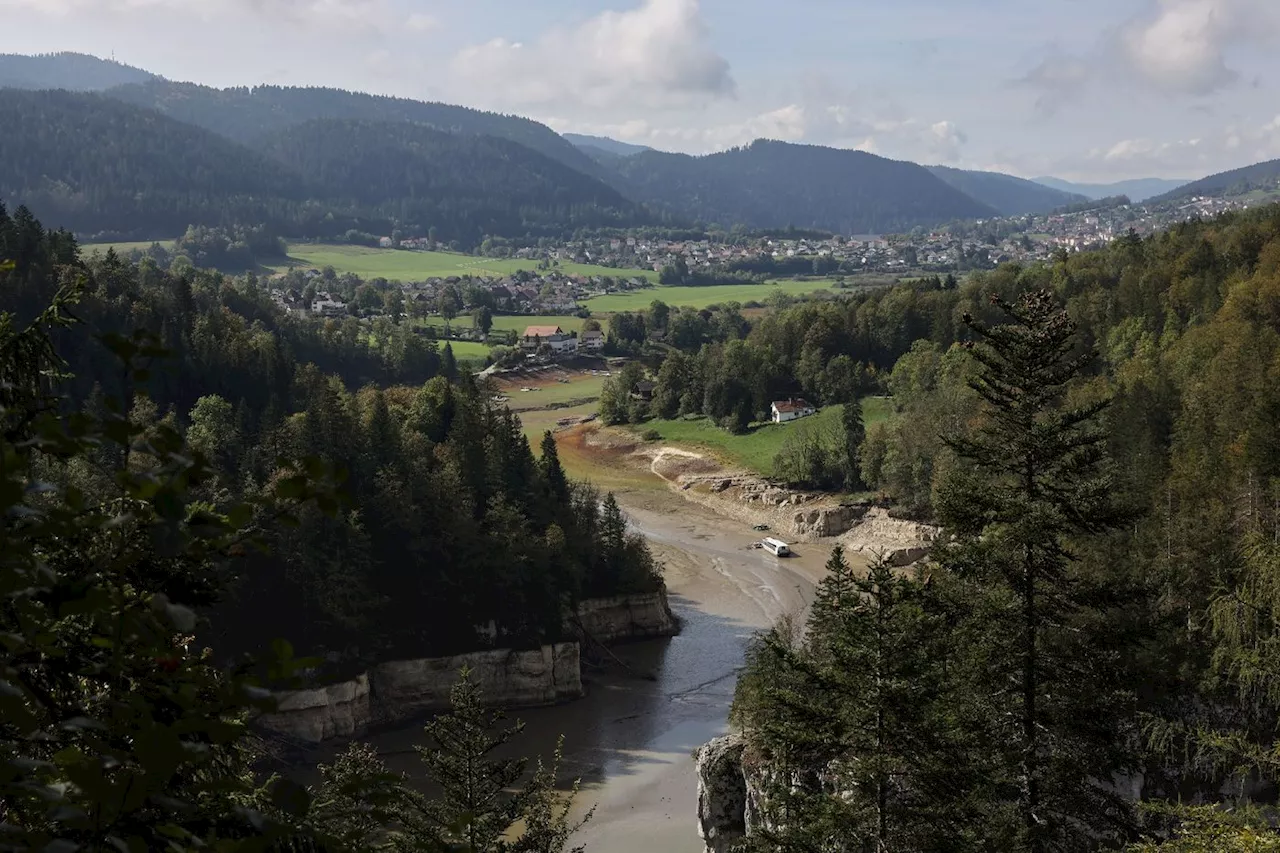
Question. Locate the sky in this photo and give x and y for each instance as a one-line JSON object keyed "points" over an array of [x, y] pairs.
{"points": [[1092, 90]]}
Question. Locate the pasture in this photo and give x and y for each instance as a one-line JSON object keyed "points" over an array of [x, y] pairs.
{"points": [[755, 449], [124, 249], [466, 350], [700, 297], [514, 322], [403, 265]]}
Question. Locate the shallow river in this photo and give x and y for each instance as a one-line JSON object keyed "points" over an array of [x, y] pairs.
{"points": [[631, 739]]}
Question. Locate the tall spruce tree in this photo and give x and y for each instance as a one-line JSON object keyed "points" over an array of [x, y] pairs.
{"points": [[481, 796], [855, 721], [1033, 478]]}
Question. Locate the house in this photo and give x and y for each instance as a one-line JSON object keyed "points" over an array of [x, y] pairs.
{"points": [[552, 336], [643, 390], [592, 341], [326, 306], [790, 410]]}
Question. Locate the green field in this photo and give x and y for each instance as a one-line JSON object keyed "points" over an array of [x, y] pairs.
{"points": [[755, 449], [535, 423], [467, 350], [516, 322], [580, 389], [125, 248], [701, 297], [399, 265]]}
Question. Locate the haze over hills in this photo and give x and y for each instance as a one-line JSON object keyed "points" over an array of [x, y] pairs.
{"points": [[1009, 195], [604, 143], [76, 72], [1233, 182], [778, 184], [1137, 190]]}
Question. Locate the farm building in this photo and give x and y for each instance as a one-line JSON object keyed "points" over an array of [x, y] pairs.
{"points": [[553, 336], [790, 410]]}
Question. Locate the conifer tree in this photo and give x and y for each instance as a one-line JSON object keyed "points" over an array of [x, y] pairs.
{"points": [[855, 721], [481, 796], [1033, 478], [552, 472], [448, 363]]}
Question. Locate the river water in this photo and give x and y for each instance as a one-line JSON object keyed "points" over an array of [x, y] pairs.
{"points": [[631, 739]]}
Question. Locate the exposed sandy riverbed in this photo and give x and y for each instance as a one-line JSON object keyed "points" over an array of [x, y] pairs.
{"points": [[630, 740]]}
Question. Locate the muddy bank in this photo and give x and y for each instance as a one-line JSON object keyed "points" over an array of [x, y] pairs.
{"points": [[753, 500]]}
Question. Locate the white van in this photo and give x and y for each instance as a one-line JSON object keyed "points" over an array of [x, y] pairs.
{"points": [[776, 547]]}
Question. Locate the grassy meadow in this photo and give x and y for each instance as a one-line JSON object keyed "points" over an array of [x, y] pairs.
{"points": [[124, 248], [402, 265], [700, 297], [756, 448], [516, 322]]}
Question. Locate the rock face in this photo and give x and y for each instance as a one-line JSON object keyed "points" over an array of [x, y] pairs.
{"points": [[829, 521], [722, 793], [403, 690], [399, 691], [339, 710], [628, 617]]}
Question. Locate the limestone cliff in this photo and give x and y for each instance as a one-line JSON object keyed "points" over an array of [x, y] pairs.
{"points": [[628, 617], [722, 793], [399, 691]]}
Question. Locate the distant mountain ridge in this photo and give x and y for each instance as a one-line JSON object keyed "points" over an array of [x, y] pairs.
{"points": [[778, 184], [76, 72], [247, 114], [1009, 195], [147, 175], [1138, 190], [1263, 175], [385, 162], [604, 143]]}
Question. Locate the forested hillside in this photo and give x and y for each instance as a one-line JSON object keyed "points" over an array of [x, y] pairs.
{"points": [[452, 535], [1108, 612], [248, 114], [1234, 182], [147, 175], [1009, 195], [75, 72], [777, 184], [143, 173], [452, 184]]}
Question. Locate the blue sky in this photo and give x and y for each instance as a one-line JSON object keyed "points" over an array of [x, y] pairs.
{"points": [[1082, 89]]}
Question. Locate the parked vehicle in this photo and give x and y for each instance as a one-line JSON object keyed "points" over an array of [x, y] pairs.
{"points": [[776, 547], [760, 527]]}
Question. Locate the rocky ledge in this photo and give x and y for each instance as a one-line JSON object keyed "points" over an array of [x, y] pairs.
{"points": [[400, 691]]}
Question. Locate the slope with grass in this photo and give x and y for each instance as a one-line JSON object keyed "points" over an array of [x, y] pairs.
{"points": [[701, 297], [755, 449]]}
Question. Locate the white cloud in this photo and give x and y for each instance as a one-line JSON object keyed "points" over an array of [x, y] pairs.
{"points": [[1180, 47], [340, 14], [654, 56], [420, 22]]}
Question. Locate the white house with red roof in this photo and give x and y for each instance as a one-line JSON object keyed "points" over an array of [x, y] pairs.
{"points": [[553, 336], [790, 410]]}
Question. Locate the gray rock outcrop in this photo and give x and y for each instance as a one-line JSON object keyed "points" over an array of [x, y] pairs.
{"points": [[828, 521], [400, 691], [628, 617], [722, 793]]}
